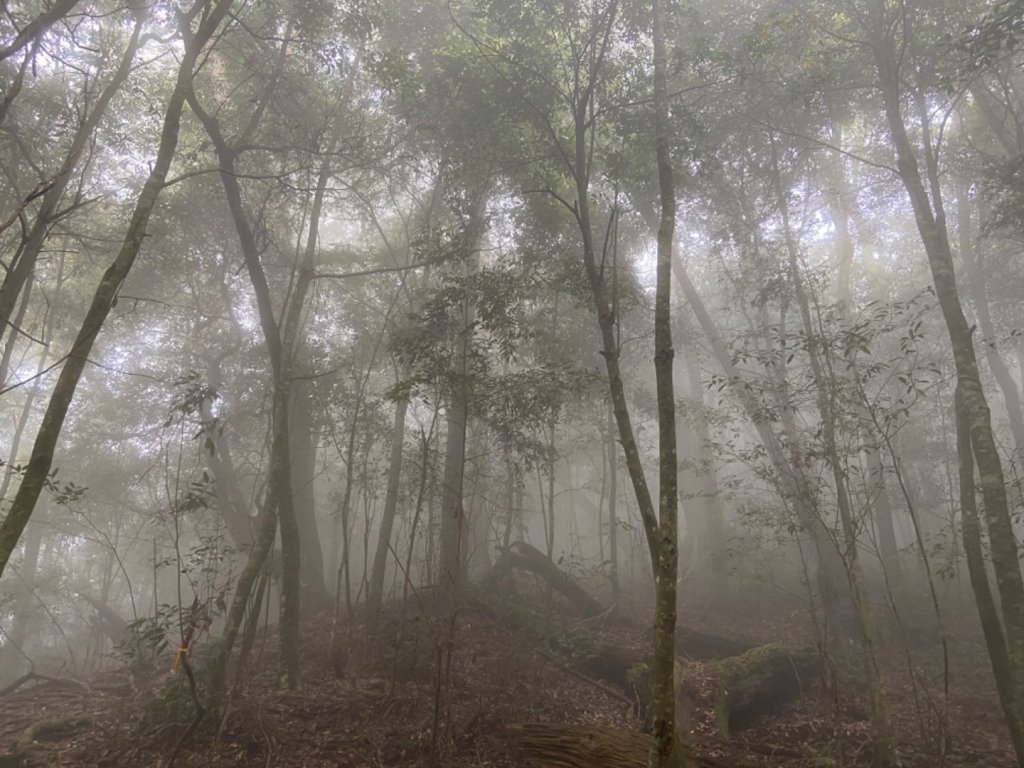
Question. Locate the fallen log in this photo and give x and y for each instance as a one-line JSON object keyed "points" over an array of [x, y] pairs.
{"points": [[759, 682], [526, 557], [548, 745], [29, 750], [55, 681]]}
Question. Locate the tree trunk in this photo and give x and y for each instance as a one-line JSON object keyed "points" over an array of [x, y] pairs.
{"points": [[975, 262], [231, 502], [841, 201], [315, 598], [995, 640], [106, 292], [613, 500], [700, 492], [280, 338], [825, 389], [37, 27], [788, 477], [453, 522], [28, 253], [666, 751], [973, 405], [375, 594]]}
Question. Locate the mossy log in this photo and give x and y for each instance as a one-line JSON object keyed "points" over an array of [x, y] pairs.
{"points": [[546, 745], [29, 752], [525, 557], [620, 665], [760, 681]]}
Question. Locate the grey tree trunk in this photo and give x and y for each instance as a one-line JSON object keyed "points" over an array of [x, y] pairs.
{"points": [[37, 27], [41, 461], [453, 514], [231, 502], [975, 262], [24, 261], [315, 597], [375, 594], [666, 750], [613, 501], [972, 404]]}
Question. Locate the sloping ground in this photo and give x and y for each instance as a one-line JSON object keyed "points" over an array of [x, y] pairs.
{"points": [[520, 661]]}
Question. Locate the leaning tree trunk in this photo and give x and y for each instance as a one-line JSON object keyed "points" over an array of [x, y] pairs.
{"points": [[788, 480], [38, 470], [972, 403], [37, 27], [24, 262]]}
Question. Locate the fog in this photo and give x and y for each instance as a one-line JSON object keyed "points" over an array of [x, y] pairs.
{"points": [[585, 383]]}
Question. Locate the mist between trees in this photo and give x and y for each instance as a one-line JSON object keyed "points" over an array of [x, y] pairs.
{"points": [[579, 383]]}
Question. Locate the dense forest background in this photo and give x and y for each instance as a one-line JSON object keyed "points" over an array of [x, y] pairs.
{"points": [[477, 383]]}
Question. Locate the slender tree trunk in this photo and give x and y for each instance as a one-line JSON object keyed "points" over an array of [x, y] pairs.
{"points": [[973, 405], [37, 27], [549, 529], [375, 595], [665, 751], [613, 501], [12, 336], [453, 522], [975, 262], [315, 597], [841, 203], [995, 640], [231, 502], [788, 477], [41, 461], [280, 339], [279, 490], [595, 276], [24, 263], [881, 726]]}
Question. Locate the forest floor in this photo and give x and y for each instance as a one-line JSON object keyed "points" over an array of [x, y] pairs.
{"points": [[520, 659]]}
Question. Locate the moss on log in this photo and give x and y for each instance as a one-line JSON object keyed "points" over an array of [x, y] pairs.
{"points": [[28, 752], [760, 681]]}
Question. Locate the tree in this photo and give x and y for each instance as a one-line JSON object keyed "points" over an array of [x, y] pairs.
{"points": [[207, 18], [972, 408]]}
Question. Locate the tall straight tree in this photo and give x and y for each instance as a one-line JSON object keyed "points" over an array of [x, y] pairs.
{"points": [[1005, 634], [664, 752]]}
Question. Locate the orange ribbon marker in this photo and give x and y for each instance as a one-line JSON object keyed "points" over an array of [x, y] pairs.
{"points": [[177, 657]]}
